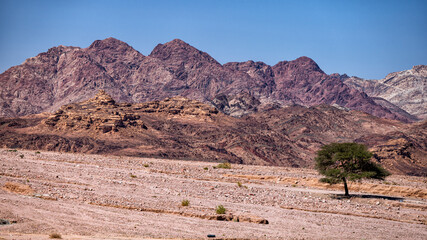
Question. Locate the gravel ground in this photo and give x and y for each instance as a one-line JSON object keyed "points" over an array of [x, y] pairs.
{"points": [[109, 197]]}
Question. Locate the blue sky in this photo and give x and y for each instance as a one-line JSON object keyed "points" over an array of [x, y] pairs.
{"points": [[368, 39]]}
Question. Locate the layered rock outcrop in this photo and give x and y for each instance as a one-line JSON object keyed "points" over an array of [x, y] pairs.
{"points": [[103, 114]]}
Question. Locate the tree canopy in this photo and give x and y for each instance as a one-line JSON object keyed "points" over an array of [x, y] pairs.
{"points": [[340, 162]]}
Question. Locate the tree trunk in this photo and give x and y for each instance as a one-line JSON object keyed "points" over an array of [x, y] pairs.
{"points": [[345, 186]]}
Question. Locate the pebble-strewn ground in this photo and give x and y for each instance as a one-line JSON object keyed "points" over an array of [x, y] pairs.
{"points": [[104, 197]]}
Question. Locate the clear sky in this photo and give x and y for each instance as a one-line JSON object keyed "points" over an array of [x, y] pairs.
{"points": [[368, 38]]}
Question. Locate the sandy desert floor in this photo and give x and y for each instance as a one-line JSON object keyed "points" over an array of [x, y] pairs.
{"points": [[108, 197]]}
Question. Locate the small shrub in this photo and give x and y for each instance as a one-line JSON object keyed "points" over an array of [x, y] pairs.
{"points": [[37, 152], [55, 235], [21, 156], [205, 168], [241, 185], [225, 165], [220, 209], [185, 203], [146, 165], [12, 150], [132, 176]]}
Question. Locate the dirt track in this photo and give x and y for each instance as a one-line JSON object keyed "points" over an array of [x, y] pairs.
{"points": [[109, 197]]}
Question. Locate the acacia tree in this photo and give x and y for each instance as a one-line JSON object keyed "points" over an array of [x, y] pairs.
{"points": [[340, 162]]}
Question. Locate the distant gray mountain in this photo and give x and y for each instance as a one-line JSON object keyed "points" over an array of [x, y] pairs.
{"points": [[406, 89]]}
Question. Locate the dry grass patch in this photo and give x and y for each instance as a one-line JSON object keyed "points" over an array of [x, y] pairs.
{"points": [[225, 165], [18, 188], [185, 203]]}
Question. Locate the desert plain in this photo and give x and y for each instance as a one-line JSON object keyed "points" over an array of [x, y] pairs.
{"points": [[87, 196]]}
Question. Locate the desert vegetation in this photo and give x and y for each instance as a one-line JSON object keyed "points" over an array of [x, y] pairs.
{"points": [[220, 209], [185, 203], [342, 162], [225, 165]]}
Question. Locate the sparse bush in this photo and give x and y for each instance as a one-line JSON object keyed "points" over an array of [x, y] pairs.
{"points": [[12, 150], [37, 152], [132, 176], [185, 203], [146, 165], [205, 168], [239, 184], [225, 165], [220, 209], [55, 235], [21, 156]]}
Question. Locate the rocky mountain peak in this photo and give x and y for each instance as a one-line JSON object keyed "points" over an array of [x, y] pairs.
{"points": [[52, 55], [299, 65], [179, 42], [108, 43], [421, 69], [178, 50], [307, 64]]}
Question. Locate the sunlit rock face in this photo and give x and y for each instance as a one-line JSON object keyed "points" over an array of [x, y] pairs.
{"points": [[405, 89]]}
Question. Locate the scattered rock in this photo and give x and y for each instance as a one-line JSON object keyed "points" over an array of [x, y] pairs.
{"points": [[4, 222]]}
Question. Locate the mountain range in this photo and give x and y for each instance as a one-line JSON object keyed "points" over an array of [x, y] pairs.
{"points": [[64, 75], [179, 102]]}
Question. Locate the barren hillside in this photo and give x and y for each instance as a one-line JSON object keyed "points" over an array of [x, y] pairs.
{"points": [[187, 129]]}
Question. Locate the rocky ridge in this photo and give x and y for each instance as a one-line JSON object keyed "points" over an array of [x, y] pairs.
{"points": [[64, 75]]}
